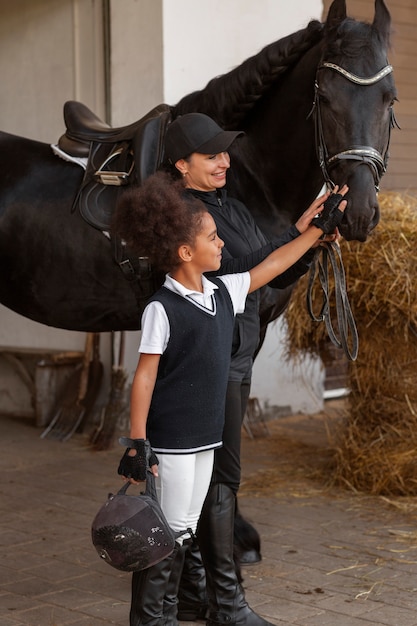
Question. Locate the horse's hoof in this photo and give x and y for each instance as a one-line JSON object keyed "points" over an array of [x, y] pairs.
{"points": [[250, 557]]}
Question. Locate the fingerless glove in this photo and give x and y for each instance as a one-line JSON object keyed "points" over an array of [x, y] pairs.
{"points": [[136, 466], [330, 217]]}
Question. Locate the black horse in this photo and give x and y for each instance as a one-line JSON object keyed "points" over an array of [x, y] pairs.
{"points": [[316, 107]]}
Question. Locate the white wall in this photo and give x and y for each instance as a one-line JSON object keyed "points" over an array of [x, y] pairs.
{"points": [[136, 59], [204, 39], [281, 382]]}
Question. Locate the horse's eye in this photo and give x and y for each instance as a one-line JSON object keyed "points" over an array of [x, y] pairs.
{"points": [[324, 99], [392, 102]]}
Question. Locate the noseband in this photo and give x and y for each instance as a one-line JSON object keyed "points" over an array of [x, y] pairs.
{"points": [[366, 154]]}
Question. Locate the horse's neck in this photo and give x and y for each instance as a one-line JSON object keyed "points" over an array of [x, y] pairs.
{"points": [[276, 163]]}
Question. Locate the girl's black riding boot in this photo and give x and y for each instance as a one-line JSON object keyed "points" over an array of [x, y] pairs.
{"points": [[227, 604], [170, 606], [192, 596], [148, 590]]}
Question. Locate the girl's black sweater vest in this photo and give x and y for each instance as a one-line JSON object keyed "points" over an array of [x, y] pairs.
{"points": [[187, 408]]}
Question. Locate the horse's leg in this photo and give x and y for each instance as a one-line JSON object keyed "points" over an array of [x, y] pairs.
{"points": [[247, 543]]}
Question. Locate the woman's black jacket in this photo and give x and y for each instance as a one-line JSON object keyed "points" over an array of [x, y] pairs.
{"points": [[245, 246]]}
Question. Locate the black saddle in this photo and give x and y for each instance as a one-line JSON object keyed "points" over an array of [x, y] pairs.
{"points": [[83, 126], [116, 157]]}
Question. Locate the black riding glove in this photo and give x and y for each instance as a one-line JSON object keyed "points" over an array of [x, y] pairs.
{"points": [[330, 217], [136, 466]]}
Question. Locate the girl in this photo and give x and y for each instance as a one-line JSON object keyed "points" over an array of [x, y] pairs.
{"points": [[179, 388]]}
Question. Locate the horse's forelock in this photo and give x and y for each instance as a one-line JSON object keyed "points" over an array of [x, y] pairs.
{"points": [[353, 39]]}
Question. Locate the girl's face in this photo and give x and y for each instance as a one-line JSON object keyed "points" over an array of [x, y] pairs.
{"points": [[207, 248], [205, 172]]}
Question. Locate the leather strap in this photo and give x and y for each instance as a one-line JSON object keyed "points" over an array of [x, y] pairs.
{"points": [[328, 255]]}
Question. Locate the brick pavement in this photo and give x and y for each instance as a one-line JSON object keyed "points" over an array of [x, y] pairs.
{"points": [[330, 558]]}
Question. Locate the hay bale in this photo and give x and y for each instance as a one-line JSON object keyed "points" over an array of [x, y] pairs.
{"points": [[376, 450]]}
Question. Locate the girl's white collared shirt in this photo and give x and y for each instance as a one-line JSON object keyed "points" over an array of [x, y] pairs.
{"points": [[155, 323]]}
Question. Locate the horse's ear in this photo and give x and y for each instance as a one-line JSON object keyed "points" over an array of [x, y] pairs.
{"points": [[382, 21], [337, 13]]}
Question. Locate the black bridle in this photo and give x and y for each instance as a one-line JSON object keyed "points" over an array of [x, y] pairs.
{"points": [[366, 154], [328, 258]]}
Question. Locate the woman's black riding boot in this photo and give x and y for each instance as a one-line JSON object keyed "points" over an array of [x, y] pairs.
{"points": [[148, 590], [170, 606], [192, 596], [227, 604]]}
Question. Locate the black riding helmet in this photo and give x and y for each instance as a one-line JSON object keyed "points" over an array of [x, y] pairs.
{"points": [[131, 533]]}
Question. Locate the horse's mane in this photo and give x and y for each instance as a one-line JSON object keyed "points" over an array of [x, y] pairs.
{"points": [[227, 98]]}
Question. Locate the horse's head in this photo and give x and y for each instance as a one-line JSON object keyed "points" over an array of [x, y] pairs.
{"points": [[269, 96], [353, 111]]}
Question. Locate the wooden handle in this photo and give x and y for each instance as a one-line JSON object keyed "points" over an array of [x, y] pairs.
{"points": [[89, 340]]}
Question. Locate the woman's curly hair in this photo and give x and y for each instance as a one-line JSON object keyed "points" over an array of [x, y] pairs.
{"points": [[156, 218]]}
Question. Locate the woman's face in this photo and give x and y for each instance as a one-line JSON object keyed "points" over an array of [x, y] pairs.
{"points": [[205, 172]]}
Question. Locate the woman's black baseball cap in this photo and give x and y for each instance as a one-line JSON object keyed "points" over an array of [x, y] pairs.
{"points": [[196, 132]]}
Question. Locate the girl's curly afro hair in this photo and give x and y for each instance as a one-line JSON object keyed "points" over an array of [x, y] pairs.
{"points": [[156, 218]]}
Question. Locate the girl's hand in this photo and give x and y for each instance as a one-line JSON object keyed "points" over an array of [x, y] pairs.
{"points": [[316, 207], [334, 237], [331, 212], [304, 221], [136, 460]]}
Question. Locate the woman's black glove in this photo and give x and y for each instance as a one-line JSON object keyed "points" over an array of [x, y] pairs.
{"points": [[136, 466], [330, 217]]}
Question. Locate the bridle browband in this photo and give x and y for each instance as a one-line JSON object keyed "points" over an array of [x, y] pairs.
{"points": [[366, 154], [358, 79]]}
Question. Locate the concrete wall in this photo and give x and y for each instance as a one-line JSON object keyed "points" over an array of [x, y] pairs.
{"points": [[50, 51]]}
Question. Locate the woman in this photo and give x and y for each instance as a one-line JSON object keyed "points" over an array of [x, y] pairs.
{"points": [[179, 387], [196, 148]]}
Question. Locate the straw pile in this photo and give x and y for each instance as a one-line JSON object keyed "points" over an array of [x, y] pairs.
{"points": [[376, 450]]}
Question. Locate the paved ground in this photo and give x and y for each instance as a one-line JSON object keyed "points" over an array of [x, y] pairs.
{"points": [[330, 558]]}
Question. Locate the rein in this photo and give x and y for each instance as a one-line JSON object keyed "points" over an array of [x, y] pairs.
{"points": [[331, 262], [366, 154]]}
